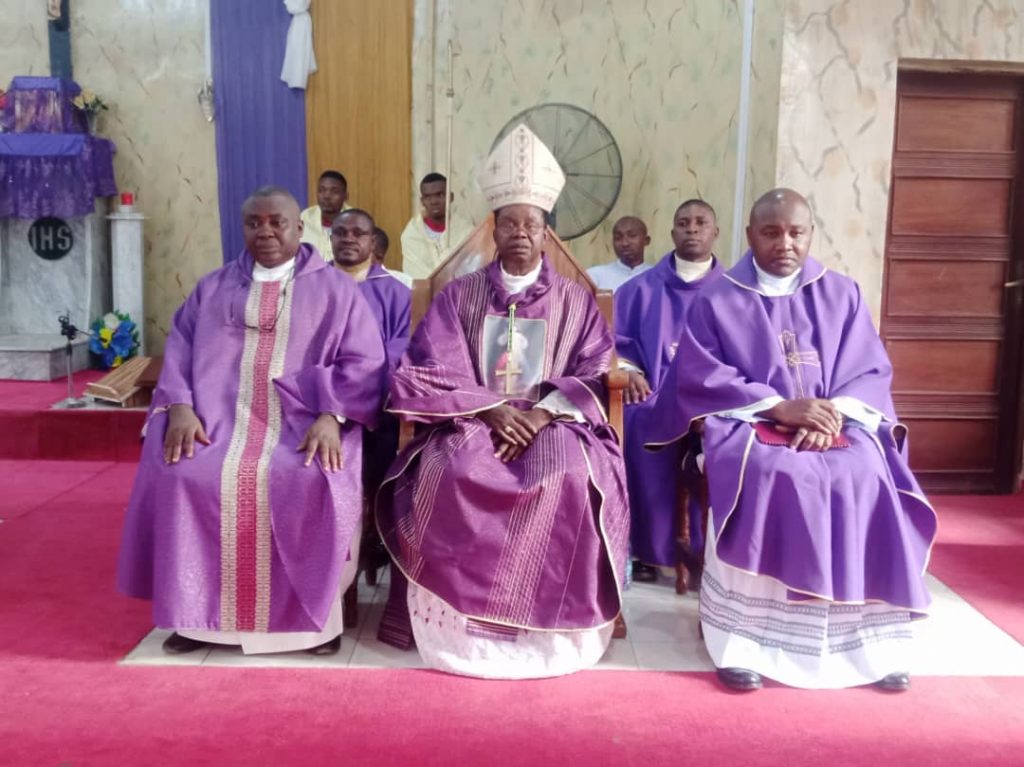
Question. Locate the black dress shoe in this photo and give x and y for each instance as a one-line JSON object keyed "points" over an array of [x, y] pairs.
{"points": [[742, 679], [644, 573], [329, 647], [895, 682], [176, 644]]}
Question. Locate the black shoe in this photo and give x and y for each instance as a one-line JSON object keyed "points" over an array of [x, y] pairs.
{"points": [[742, 679], [176, 644], [329, 647], [895, 682], [644, 573]]}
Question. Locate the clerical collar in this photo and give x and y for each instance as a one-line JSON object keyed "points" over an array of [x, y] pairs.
{"points": [[274, 273], [517, 283], [771, 285], [691, 271]]}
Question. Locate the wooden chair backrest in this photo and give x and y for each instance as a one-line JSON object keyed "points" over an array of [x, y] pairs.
{"points": [[478, 250]]}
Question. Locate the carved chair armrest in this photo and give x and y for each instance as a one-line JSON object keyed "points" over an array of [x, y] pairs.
{"points": [[616, 379]]}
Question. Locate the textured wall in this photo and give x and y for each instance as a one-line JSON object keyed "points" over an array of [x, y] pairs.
{"points": [[838, 98], [662, 75], [24, 48], [146, 59]]}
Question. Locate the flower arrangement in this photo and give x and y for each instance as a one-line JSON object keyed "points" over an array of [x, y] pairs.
{"points": [[115, 338], [89, 102]]}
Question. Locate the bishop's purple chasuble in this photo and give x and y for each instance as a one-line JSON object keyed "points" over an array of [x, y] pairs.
{"points": [[539, 542]]}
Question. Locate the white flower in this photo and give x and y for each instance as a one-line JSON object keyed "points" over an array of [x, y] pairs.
{"points": [[111, 321]]}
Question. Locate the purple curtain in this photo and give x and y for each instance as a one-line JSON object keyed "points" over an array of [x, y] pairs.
{"points": [[260, 121]]}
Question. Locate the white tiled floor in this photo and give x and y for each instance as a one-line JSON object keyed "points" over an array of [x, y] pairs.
{"points": [[955, 640]]}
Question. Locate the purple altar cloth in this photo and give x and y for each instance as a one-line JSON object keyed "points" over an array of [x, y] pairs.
{"points": [[50, 174], [42, 105]]}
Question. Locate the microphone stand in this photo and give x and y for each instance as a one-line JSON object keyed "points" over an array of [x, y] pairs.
{"points": [[70, 332]]}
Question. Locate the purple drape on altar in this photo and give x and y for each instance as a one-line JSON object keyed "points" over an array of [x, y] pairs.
{"points": [[52, 174], [260, 121], [42, 105]]}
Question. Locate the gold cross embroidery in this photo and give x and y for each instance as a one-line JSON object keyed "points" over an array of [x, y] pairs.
{"points": [[795, 358]]}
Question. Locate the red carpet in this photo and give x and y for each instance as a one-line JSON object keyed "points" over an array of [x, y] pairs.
{"points": [[65, 701], [980, 555], [30, 429]]}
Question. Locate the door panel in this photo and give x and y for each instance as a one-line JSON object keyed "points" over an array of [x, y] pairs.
{"points": [[958, 366], [948, 288], [950, 321], [358, 107], [956, 124], [963, 206]]}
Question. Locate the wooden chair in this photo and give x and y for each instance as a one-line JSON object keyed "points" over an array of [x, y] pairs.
{"points": [[478, 250], [690, 484]]}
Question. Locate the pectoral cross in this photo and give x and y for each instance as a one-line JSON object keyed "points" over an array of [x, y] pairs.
{"points": [[508, 373], [510, 369], [795, 358]]}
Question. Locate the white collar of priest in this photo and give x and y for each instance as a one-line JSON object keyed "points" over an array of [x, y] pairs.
{"points": [[771, 285], [517, 283], [690, 271], [273, 273]]}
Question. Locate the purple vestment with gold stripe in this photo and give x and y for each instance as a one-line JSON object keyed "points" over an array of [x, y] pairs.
{"points": [[243, 537]]}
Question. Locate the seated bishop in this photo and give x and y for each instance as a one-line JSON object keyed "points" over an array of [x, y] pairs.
{"points": [[244, 521], [506, 516], [819, 534], [650, 315]]}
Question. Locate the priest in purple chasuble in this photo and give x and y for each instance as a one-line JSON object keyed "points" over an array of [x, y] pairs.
{"points": [[650, 315], [507, 515], [244, 519], [819, 535], [353, 245]]}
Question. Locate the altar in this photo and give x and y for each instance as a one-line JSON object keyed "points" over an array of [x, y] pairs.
{"points": [[55, 260]]}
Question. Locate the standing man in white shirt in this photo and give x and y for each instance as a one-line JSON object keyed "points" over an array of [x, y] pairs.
{"points": [[629, 239], [331, 199], [423, 239]]}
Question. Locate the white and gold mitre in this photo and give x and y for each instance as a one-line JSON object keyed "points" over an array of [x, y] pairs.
{"points": [[521, 170]]}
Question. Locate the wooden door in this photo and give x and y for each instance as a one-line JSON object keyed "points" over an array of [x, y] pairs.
{"points": [[951, 308], [359, 107]]}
